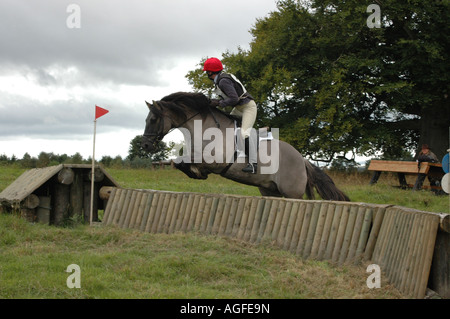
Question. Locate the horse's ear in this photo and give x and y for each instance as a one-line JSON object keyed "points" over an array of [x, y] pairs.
{"points": [[148, 105], [156, 104]]}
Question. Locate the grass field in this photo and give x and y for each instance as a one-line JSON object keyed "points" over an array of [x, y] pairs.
{"points": [[117, 263]]}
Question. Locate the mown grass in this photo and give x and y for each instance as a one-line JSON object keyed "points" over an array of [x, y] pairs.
{"points": [[117, 263], [120, 263]]}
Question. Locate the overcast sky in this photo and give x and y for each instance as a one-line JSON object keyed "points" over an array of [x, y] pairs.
{"points": [[54, 67]]}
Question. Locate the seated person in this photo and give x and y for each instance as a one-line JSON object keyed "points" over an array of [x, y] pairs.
{"points": [[425, 155]]}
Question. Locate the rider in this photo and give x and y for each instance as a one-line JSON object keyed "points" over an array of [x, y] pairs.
{"points": [[233, 93]]}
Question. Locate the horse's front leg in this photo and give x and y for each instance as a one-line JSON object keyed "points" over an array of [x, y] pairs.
{"points": [[192, 170]]}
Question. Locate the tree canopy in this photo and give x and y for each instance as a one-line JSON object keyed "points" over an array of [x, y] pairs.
{"points": [[335, 85]]}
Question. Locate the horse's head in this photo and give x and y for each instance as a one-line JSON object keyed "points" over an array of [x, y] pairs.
{"points": [[155, 127]]}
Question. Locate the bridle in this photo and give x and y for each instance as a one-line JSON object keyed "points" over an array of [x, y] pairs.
{"points": [[159, 134]]}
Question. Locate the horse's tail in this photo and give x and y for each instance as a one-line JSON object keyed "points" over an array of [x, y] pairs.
{"points": [[323, 184]]}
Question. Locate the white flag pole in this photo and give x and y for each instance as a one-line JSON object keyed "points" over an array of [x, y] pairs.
{"points": [[92, 176]]}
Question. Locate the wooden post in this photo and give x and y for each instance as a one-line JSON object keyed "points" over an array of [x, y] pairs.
{"points": [[43, 210], [76, 194], [61, 200]]}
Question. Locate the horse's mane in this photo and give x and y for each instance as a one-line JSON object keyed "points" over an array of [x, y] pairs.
{"points": [[197, 102]]}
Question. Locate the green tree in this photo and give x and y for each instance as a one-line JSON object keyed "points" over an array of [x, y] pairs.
{"points": [[335, 86], [137, 151], [43, 160]]}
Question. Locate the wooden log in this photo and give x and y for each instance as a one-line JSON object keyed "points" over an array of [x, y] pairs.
{"points": [[271, 219], [212, 215], [374, 232], [367, 222], [417, 251], [105, 192], [30, 202], [112, 207], [398, 257], [167, 216], [126, 205], [317, 236], [257, 221], [146, 213], [284, 224], [406, 275], [248, 228], [348, 234], [191, 214], [311, 230], [240, 218], [440, 267], [76, 195], [107, 213], [130, 209], [264, 219], [199, 213], [427, 256], [66, 176], [277, 221], [381, 242], [333, 232], [182, 212], [297, 227], [43, 210], [304, 230], [218, 216], [163, 213], [29, 214], [340, 233], [137, 218], [157, 197], [360, 213], [135, 211], [61, 203], [225, 216], [175, 214], [293, 214], [234, 218], [326, 231], [391, 241], [117, 212], [187, 213], [98, 175], [243, 222], [158, 213]]}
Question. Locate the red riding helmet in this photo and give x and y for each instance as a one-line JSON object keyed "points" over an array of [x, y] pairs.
{"points": [[213, 65]]}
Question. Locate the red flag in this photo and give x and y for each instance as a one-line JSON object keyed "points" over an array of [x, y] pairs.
{"points": [[99, 111]]}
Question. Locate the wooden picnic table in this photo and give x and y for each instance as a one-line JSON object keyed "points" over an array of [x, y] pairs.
{"points": [[402, 168]]}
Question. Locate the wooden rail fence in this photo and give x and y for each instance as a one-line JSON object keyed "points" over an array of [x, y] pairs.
{"points": [[401, 241]]}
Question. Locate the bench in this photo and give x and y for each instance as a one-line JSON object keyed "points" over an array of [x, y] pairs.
{"points": [[402, 168]]}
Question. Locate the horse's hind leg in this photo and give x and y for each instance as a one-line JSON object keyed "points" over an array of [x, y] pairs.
{"points": [[269, 192]]}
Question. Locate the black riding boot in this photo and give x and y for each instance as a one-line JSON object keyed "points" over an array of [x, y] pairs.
{"points": [[250, 168]]}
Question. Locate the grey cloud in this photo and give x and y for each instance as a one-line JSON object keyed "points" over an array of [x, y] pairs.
{"points": [[119, 43]]}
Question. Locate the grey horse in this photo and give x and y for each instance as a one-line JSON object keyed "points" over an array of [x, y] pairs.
{"points": [[282, 170]]}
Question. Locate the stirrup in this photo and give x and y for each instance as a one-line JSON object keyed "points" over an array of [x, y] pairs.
{"points": [[250, 168]]}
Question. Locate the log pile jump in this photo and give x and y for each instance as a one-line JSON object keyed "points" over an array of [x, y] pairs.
{"points": [[53, 194]]}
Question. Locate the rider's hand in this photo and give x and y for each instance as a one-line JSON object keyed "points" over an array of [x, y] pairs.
{"points": [[214, 102]]}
